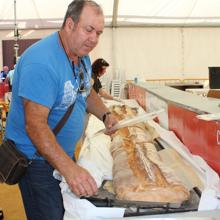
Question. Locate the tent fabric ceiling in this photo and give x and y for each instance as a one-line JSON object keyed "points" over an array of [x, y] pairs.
{"points": [[49, 13]]}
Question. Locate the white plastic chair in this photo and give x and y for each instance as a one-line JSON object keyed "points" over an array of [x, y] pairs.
{"points": [[116, 88]]}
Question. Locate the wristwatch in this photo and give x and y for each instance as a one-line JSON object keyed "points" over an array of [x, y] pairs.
{"points": [[105, 115]]}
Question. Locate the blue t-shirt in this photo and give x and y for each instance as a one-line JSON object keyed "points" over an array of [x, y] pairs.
{"points": [[45, 76]]}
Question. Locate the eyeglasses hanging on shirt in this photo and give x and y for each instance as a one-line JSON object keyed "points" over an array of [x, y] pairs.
{"points": [[81, 64], [81, 75], [82, 84]]}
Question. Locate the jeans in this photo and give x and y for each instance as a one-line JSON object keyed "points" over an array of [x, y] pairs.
{"points": [[41, 192]]}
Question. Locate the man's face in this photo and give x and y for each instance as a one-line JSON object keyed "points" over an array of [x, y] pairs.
{"points": [[85, 34], [5, 69]]}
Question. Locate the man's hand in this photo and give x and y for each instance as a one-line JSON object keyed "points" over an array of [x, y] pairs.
{"points": [[81, 182], [109, 122], [97, 107]]}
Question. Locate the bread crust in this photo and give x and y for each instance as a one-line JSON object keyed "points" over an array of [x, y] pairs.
{"points": [[139, 174]]}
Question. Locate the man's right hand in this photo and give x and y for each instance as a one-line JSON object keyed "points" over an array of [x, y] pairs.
{"points": [[81, 182]]}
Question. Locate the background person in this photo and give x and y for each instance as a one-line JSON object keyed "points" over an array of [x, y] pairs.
{"points": [[9, 77], [99, 67], [4, 73], [51, 75]]}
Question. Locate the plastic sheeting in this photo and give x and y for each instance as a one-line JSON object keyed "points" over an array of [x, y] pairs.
{"points": [[100, 168]]}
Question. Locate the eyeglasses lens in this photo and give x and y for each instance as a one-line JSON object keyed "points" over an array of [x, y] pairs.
{"points": [[81, 77]]}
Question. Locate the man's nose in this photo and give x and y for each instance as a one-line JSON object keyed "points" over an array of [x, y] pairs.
{"points": [[93, 37]]}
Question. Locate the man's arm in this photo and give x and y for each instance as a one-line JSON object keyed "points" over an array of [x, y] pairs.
{"points": [[97, 107], [105, 95], [42, 136]]}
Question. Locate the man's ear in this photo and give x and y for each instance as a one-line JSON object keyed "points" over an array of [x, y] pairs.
{"points": [[70, 23]]}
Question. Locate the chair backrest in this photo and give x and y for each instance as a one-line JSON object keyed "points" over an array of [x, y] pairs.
{"points": [[116, 88]]}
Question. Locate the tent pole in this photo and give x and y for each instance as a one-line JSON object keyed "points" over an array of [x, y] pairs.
{"points": [[16, 35]]}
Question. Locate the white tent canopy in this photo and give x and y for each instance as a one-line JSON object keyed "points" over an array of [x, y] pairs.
{"points": [[49, 13], [148, 39]]}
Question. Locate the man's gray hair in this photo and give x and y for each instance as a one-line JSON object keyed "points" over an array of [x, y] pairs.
{"points": [[75, 9]]}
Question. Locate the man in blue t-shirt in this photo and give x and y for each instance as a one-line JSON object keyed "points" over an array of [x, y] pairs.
{"points": [[51, 75]]}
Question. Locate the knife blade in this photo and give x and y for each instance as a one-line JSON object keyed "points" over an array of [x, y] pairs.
{"points": [[131, 121]]}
